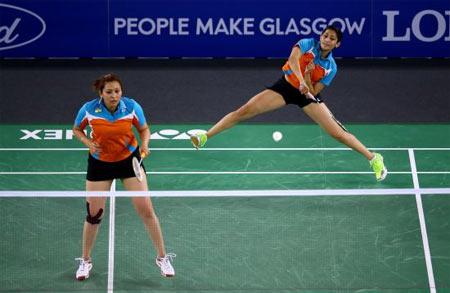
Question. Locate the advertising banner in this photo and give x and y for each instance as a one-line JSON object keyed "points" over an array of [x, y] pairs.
{"points": [[220, 28]]}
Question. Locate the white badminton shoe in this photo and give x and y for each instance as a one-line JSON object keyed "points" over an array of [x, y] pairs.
{"points": [[164, 264], [83, 269]]}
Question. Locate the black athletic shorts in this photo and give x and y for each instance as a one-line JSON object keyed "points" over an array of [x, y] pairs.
{"points": [[100, 171], [290, 94]]}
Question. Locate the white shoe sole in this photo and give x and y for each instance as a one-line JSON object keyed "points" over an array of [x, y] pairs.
{"points": [[383, 174], [195, 141]]}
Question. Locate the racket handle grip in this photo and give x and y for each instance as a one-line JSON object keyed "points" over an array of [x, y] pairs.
{"points": [[143, 155], [311, 96]]}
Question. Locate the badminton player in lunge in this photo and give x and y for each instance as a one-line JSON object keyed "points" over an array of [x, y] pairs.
{"points": [[111, 150], [309, 68]]}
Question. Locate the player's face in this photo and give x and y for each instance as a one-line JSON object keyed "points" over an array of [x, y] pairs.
{"points": [[111, 94], [328, 40]]}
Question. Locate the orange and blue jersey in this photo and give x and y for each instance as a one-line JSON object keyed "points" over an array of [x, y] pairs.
{"points": [[113, 132], [325, 68]]}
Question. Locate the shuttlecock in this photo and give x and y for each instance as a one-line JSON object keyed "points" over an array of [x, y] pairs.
{"points": [[277, 136]]}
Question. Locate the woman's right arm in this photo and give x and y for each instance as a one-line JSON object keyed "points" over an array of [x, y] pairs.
{"points": [[295, 55], [79, 133]]}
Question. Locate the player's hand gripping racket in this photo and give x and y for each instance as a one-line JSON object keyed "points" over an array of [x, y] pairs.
{"points": [[137, 167], [310, 96]]}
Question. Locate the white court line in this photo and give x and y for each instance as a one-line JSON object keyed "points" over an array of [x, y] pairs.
{"points": [[231, 193], [112, 217], [235, 149], [423, 228], [223, 172]]}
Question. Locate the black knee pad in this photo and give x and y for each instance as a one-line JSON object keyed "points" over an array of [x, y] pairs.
{"points": [[94, 220]]}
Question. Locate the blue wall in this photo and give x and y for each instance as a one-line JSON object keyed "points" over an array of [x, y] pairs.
{"points": [[213, 28]]}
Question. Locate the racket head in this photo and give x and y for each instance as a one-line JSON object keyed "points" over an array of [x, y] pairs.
{"points": [[137, 168]]}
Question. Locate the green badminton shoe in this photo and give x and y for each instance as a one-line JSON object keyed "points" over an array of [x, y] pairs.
{"points": [[378, 167], [199, 139]]}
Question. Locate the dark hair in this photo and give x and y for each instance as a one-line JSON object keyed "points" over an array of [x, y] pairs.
{"points": [[99, 83], [335, 29]]}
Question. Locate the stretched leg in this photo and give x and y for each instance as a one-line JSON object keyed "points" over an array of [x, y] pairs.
{"points": [[323, 116], [144, 208], [265, 101], [320, 114], [95, 204]]}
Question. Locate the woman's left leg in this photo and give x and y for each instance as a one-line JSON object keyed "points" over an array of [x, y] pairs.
{"points": [[144, 208], [320, 114], [323, 116]]}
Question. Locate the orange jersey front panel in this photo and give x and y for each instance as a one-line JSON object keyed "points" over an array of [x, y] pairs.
{"points": [[116, 139]]}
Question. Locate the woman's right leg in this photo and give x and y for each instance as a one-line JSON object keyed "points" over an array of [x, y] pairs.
{"points": [[96, 206], [265, 101]]}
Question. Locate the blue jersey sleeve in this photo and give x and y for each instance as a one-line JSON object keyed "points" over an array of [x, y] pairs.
{"points": [[305, 44], [80, 116], [139, 114], [326, 80]]}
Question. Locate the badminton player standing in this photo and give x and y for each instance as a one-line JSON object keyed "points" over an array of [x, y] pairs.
{"points": [[111, 150], [309, 68]]}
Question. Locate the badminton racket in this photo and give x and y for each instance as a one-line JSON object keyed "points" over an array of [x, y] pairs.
{"points": [[137, 167]]}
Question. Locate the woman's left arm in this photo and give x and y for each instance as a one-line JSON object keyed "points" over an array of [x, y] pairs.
{"points": [[144, 134], [317, 88]]}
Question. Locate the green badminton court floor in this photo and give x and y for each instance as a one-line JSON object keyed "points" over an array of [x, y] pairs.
{"points": [[245, 214]]}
